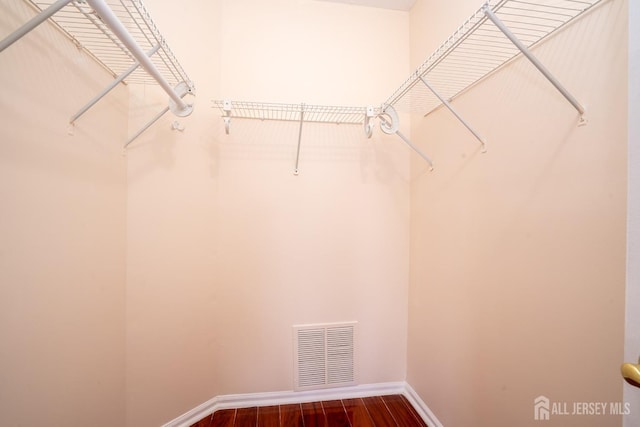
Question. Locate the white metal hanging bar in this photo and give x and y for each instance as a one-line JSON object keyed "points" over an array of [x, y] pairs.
{"points": [[111, 20], [455, 113], [110, 87], [32, 23], [527, 53], [296, 171]]}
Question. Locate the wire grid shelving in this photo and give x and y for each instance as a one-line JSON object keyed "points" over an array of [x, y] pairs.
{"points": [[478, 47], [85, 28], [292, 112]]}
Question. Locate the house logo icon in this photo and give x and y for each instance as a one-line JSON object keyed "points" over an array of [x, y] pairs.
{"points": [[541, 408]]}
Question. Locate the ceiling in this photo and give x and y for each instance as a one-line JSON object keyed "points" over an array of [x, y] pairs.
{"points": [[385, 4]]}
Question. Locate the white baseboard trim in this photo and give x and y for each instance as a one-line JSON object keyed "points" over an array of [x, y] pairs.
{"points": [[287, 397], [422, 408]]}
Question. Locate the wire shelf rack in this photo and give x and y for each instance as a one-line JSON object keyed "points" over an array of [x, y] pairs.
{"points": [[85, 28], [292, 112], [478, 47]]}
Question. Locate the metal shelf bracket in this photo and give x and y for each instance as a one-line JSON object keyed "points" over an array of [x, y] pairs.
{"points": [[368, 121], [389, 124], [536, 62], [296, 171], [226, 107], [110, 87], [455, 113]]}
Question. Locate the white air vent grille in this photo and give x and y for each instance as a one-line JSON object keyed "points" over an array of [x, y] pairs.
{"points": [[324, 355]]}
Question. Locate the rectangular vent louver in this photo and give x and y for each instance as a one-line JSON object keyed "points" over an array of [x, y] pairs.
{"points": [[324, 355]]}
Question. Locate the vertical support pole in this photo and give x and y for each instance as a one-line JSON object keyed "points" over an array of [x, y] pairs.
{"points": [[296, 171], [109, 88], [455, 113], [32, 23], [526, 52]]}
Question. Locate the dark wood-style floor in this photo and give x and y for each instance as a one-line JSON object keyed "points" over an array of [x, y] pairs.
{"points": [[380, 411]]}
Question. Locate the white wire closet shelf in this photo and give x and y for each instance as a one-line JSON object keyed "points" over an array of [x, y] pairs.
{"points": [[481, 45], [291, 112], [121, 36], [301, 113], [88, 31]]}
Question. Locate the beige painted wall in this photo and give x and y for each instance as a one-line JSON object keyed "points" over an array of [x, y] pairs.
{"points": [[227, 249], [62, 228], [518, 255]]}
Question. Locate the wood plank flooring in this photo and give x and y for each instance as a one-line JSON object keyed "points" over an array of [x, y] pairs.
{"points": [[380, 411]]}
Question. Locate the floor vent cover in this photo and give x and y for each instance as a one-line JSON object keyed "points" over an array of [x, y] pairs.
{"points": [[324, 355]]}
